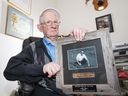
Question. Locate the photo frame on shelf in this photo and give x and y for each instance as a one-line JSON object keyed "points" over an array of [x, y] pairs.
{"points": [[18, 24], [23, 5], [104, 22], [87, 66]]}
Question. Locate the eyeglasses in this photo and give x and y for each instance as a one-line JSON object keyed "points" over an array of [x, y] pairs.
{"points": [[49, 23]]}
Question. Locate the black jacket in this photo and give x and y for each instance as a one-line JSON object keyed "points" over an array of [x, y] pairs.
{"points": [[21, 67]]}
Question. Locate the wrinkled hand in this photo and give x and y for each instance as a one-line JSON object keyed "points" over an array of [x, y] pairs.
{"points": [[51, 69], [78, 33]]}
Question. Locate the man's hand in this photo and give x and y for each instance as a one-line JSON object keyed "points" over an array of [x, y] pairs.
{"points": [[51, 69], [79, 33]]}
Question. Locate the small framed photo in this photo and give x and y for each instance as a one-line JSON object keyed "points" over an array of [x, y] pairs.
{"points": [[23, 5], [104, 22], [87, 66], [18, 24]]}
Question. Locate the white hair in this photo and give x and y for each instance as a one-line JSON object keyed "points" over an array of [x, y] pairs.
{"points": [[41, 18]]}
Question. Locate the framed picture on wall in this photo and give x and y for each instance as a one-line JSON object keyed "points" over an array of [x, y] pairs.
{"points": [[104, 22], [18, 24], [23, 5]]}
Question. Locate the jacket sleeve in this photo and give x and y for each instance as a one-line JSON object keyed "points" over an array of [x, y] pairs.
{"points": [[21, 67]]}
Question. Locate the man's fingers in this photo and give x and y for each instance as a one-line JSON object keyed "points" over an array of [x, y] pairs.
{"points": [[79, 33], [51, 69]]}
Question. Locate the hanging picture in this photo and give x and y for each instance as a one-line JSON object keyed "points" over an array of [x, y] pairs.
{"points": [[104, 22], [18, 24], [24, 5]]}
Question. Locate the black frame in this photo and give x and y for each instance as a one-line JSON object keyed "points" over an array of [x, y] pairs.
{"points": [[104, 22], [100, 65]]}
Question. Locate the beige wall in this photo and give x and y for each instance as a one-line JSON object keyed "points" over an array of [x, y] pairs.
{"points": [[76, 13], [9, 47]]}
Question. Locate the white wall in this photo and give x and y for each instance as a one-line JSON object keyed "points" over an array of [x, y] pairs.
{"points": [[9, 46], [76, 13]]}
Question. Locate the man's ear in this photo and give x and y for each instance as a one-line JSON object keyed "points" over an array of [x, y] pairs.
{"points": [[39, 27]]}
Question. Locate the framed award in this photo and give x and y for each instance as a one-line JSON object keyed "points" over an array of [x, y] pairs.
{"points": [[87, 66]]}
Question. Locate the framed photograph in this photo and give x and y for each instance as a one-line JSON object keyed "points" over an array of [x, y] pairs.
{"points": [[104, 22], [18, 24], [87, 66], [23, 5]]}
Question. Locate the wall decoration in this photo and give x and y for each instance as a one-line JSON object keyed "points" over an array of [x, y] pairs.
{"points": [[24, 5], [104, 22], [100, 5], [18, 24]]}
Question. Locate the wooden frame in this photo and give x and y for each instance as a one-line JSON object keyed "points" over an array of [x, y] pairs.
{"points": [[104, 22], [23, 5], [99, 77], [18, 24]]}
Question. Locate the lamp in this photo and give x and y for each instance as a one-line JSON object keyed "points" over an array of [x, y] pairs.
{"points": [[100, 4]]}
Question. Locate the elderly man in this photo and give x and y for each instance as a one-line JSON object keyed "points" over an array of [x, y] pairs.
{"points": [[42, 75]]}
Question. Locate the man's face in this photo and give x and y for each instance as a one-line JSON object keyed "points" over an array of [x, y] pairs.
{"points": [[50, 25]]}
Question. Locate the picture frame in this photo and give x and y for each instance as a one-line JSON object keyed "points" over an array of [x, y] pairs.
{"points": [[96, 73], [23, 5], [104, 22], [18, 24], [0, 15]]}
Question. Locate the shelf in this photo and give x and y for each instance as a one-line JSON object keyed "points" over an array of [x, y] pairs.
{"points": [[121, 64]]}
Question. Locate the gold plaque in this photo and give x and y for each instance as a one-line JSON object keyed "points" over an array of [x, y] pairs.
{"points": [[84, 75]]}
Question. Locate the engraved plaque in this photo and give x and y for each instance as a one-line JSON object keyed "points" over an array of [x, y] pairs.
{"points": [[84, 88], [84, 75]]}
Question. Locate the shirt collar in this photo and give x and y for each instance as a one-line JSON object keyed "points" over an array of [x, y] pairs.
{"points": [[48, 41]]}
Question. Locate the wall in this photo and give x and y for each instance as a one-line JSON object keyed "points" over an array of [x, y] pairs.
{"points": [[81, 15], [9, 46]]}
